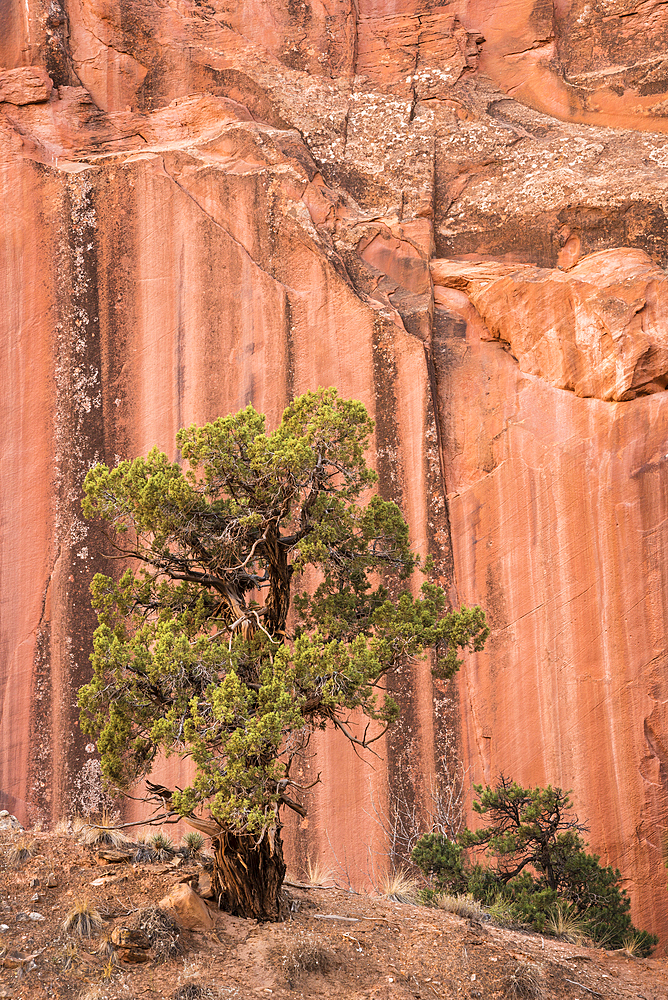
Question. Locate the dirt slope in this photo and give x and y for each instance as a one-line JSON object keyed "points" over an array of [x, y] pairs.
{"points": [[356, 945]]}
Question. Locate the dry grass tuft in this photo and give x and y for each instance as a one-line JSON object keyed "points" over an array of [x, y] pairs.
{"points": [[69, 955], [162, 931], [21, 851], [95, 991], [400, 887], [632, 945], [104, 832], [83, 920], [463, 906], [318, 875], [502, 913], [308, 953], [564, 923], [105, 948], [77, 824], [525, 982]]}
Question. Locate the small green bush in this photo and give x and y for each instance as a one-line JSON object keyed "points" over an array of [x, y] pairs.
{"points": [[538, 864], [193, 842], [441, 860]]}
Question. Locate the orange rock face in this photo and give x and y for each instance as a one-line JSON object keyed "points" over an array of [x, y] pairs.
{"points": [[599, 329], [453, 212]]}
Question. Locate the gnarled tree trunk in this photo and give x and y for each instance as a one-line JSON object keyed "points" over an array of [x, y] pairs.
{"points": [[247, 876]]}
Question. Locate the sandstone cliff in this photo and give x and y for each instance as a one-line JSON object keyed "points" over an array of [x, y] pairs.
{"points": [[455, 212]]}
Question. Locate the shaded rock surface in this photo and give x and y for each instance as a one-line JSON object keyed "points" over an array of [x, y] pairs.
{"points": [[453, 212]]}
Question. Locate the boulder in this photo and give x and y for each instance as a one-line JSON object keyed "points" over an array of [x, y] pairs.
{"points": [[25, 85], [189, 909]]}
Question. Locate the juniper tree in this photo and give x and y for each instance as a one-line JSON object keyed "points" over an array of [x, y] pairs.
{"points": [[532, 855], [197, 652]]}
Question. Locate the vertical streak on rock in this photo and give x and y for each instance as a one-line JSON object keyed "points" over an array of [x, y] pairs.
{"points": [[289, 353], [26, 555], [40, 774], [354, 7], [179, 361], [422, 740], [55, 46], [77, 436], [446, 705], [441, 540], [403, 738]]}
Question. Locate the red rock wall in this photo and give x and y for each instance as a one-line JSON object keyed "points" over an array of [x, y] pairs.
{"points": [[453, 212]]}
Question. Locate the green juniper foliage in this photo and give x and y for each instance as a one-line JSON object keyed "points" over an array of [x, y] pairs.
{"points": [[535, 861], [194, 653]]}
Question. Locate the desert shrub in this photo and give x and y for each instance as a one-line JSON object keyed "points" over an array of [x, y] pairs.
{"points": [[162, 845], [308, 953], [442, 860], [162, 931], [193, 841], [534, 861]]}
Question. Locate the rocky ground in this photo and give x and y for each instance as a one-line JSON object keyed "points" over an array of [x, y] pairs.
{"points": [[333, 943]]}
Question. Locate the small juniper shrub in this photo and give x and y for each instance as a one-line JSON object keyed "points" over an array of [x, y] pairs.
{"points": [[442, 861], [530, 825]]}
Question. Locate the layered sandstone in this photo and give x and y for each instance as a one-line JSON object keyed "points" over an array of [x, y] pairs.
{"points": [[599, 329], [454, 212]]}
